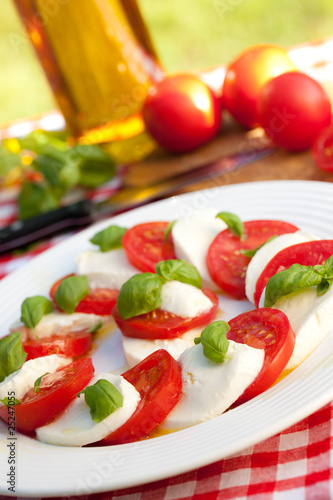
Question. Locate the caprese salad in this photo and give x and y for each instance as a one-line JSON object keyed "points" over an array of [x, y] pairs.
{"points": [[188, 361]]}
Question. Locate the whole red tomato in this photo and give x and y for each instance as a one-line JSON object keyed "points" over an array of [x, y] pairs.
{"points": [[293, 108], [245, 77], [181, 113], [322, 149]]}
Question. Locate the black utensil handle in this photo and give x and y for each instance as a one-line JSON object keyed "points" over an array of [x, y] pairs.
{"points": [[23, 232]]}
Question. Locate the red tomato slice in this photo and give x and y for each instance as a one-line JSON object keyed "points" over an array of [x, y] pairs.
{"points": [[309, 253], [145, 246], [227, 266], [56, 392], [71, 345], [99, 301], [161, 324], [158, 379], [267, 329]]}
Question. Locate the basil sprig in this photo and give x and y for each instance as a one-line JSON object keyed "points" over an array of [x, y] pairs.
{"points": [[33, 309], [252, 251], [233, 222], [12, 354], [179, 270], [110, 238], [103, 398], [9, 401], [70, 292], [298, 277], [169, 229], [214, 341], [38, 382]]}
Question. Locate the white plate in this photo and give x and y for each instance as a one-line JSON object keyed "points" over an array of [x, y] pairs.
{"points": [[39, 467]]}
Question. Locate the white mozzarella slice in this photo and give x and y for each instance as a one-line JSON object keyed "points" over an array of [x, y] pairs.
{"points": [[184, 300], [210, 388], [192, 235], [263, 256], [135, 350], [75, 427], [311, 318], [21, 381], [105, 269]]}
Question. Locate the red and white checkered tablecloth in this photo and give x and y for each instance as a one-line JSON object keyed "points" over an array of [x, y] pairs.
{"points": [[296, 464]]}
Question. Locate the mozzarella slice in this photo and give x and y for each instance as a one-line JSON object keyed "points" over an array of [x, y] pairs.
{"points": [[210, 388], [263, 256], [105, 269], [192, 236], [184, 300], [75, 427], [311, 318], [21, 381]]}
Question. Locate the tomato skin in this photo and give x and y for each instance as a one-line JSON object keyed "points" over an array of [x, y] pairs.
{"points": [[309, 253], [293, 109], [267, 329], [158, 378], [160, 324], [145, 246], [245, 77], [227, 266], [39, 408], [181, 113], [322, 149], [71, 345]]}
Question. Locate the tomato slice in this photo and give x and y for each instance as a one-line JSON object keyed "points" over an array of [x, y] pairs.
{"points": [[158, 379], [99, 301], [267, 329], [71, 345], [56, 392], [227, 265], [309, 253], [145, 245], [159, 324]]}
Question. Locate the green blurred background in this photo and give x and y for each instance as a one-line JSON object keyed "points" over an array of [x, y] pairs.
{"points": [[188, 35]]}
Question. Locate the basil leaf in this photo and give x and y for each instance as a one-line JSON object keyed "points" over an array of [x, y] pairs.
{"points": [[35, 198], [9, 401], [252, 251], [288, 281], [103, 398], [12, 354], [33, 309], [95, 328], [214, 341], [71, 291], [179, 270], [233, 222], [328, 266], [96, 166], [139, 295], [110, 238], [324, 286], [169, 229], [38, 382]]}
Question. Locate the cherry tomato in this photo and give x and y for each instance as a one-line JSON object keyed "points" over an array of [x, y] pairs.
{"points": [[267, 329], [245, 77], [158, 379], [145, 245], [309, 253], [227, 265], [182, 113], [71, 345], [56, 392], [161, 324], [293, 109], [322, 149]]}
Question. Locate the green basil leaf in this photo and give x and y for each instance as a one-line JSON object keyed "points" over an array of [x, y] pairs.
{"points": [[12, 354], [252, 251], [35, 198], [233, 222], [139, 295], [95, 328], [288, 281], [110, 238], [33, 309], [38, 382], [328, 266], [324, 286], [70, 292], [214, 341], [179, 270], [9, 401], [103, 398], [96, 166], [169, 229]]}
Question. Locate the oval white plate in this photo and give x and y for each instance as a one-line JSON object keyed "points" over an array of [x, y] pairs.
{"points": [[82, 471]]}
